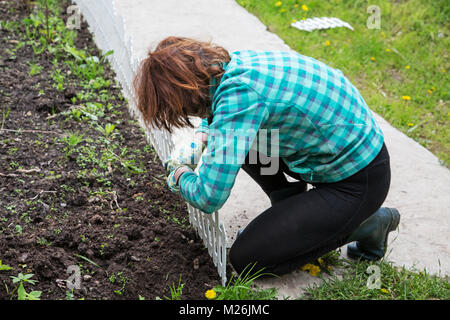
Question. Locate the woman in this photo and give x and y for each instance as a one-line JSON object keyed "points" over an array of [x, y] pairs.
{"points": [[321, 132]]}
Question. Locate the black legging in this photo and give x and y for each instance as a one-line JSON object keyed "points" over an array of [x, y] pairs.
{"points": [[305, 226]]}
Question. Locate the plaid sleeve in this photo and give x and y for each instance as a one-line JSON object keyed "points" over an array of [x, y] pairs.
{"points": [[238, 115]]}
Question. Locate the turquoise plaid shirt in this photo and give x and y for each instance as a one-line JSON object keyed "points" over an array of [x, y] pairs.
{"points": [[325, 129]]}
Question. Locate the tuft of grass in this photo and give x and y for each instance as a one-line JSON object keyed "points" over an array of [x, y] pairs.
{"points": [[242, 288], [395, 283], [406, 57], [176, 291]]}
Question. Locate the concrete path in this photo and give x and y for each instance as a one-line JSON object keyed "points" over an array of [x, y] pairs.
{"points": [[420, 185]]}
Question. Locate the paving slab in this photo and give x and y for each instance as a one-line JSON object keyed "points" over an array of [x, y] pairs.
{"points": [[420, 186]]}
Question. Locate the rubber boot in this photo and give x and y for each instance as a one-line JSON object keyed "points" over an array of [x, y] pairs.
{"points": [[370, 238]]}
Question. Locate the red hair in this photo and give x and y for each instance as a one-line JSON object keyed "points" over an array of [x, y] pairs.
{"points": [[173, 82]]}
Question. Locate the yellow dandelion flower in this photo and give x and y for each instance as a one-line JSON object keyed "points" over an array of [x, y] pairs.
{"points": [[410, 124], [388, 50], [294, 21], [372, 58], [406, 98], [303, 18], [430, 91], [444, 71], [278, 4], [314, 271], [304, 7], [320, 261], [311, 268], [327, 43], [210, 294], [383, 35], [307, 267], [384, 290], [407, 67]]}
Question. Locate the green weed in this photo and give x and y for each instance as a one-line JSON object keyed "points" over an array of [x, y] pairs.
{"points": [[176, 291], [4, 267], [242, 288], [21, 279], [35, 69]]}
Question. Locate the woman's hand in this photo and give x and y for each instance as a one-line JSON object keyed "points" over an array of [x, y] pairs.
{"points": [[184, 159], [174, 177], [188, 155]]}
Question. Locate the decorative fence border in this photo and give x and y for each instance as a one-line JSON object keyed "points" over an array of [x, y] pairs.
{"points": [[110, 34]]}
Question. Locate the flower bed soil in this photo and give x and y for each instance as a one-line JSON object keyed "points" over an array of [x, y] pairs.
{"points": [[128, 235]]}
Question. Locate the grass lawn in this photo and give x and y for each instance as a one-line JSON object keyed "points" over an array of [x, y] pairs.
{"points": [[401, 69]]}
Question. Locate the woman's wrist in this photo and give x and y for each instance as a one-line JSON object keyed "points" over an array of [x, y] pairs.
{"points": [[179, 172]]}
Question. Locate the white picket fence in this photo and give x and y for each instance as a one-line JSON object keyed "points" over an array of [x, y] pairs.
{"points": [[109, 32]]}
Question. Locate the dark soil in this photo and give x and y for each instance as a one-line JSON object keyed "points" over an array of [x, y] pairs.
{"points": [[121, 226]]}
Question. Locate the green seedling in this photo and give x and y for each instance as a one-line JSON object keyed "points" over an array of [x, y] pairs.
{"points": [[18, 229], [11, 54], [35, 69], [5, 116], [123, 281], [84, 66], [72, 141], [59, 79], [76, 114], [11, 151], [4, 267], [176, 292], [93, 110], [70, 295], [109, 128], [9, 25], [43, 242], [102, 248], [21, 292]]}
